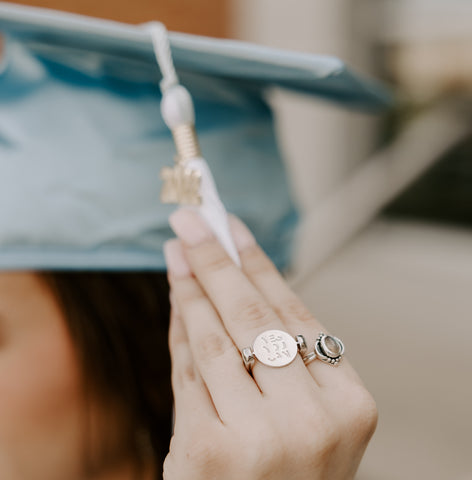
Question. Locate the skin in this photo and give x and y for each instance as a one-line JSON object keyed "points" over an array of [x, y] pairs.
{"points": [[39, 383], [294, 422], [41, 392], [297, 422]]}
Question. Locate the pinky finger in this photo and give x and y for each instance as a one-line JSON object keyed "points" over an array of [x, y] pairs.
{"points": [[192, 400]]}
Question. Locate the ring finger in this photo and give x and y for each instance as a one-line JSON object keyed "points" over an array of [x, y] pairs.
{"points": [[268, 281]]}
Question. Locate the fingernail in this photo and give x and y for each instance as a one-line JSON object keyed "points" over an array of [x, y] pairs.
{"points": [[175, 259], [189, 226], [243, 238]]}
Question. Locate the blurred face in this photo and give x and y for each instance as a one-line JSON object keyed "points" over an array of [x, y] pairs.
{"points": [[41, 403]]}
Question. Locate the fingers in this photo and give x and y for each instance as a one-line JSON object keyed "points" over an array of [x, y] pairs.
{"points": [[298, 320], [244, 311], [215, 305], [232, 390]]}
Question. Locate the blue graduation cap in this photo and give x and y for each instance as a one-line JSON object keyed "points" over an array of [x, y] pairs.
{"points": [[82, 139]]}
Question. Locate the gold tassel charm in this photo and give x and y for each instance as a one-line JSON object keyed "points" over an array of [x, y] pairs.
{"points": [[181, 185]]}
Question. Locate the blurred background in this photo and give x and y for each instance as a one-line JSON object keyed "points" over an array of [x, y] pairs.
{"points": [[384, 253]]}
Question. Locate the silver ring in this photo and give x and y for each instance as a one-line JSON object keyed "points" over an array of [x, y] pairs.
{"points": [[301, 343], [274, 348], [329, 349], [248, 358], [309, 358]]}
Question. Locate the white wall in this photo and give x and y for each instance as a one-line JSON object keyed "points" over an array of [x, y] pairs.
{"points": [[322, 143]]}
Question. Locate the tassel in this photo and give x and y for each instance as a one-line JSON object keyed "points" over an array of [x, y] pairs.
{"points": [[190, 182]]}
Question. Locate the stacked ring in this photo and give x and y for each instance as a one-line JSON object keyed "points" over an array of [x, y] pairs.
{"points": [[277, 348], [328, 349]]}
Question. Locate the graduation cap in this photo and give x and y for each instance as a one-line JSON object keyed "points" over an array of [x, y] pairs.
{"points": [[83, 142]]}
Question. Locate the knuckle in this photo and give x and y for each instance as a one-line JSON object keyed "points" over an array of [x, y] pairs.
{"points": [[177, 337], [322, 446], [364, 412], [184, 375], [212, 258], [321, 438], [253, 312], [213, 346], [293, 309], [190, 292], [267, 463], [205, 455], [168, 468], [265, 452], [256, 262], [170, 465]]}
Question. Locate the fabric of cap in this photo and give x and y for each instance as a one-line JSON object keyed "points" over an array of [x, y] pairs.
{"points": [[82, 140]]}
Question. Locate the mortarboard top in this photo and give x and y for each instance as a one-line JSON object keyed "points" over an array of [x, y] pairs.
{"points": [[82, 140]]}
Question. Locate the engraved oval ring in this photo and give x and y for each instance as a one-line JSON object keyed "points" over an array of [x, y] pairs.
{"points": [[274, 348]]}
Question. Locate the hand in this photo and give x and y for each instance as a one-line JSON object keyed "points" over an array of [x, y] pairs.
{"points": [[296, 422]]}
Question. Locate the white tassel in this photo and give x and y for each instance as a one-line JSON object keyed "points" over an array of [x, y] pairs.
{"points": [[179, 115]]}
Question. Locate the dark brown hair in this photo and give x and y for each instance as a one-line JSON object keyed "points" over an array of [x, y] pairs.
{"points": [[119, 325]]}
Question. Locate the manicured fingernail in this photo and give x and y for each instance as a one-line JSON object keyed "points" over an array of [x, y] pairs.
{"points": [[175, 259], [243, 238], [189, 226]]}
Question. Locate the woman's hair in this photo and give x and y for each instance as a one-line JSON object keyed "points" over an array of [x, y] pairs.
{"points": [[119, 325]]}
